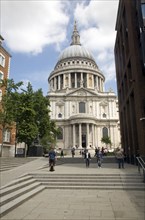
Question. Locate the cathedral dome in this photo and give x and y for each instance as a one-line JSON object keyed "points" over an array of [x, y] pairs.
{"points": [[75, 51]]}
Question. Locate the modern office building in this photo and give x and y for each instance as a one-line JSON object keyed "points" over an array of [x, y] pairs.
{"points": [[81, 108], [7, 143], [130, 71]]}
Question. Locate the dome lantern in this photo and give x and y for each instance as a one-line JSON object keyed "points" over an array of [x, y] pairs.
{"points": [[75, 36]]}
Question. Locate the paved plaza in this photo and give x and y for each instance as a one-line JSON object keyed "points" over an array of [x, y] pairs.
{"points": [[73, 204]]}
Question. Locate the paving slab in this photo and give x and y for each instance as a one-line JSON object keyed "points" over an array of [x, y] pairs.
{"points": [[74, 204]]}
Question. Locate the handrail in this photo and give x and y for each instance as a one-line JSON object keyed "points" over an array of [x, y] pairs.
{"points": [[141, 165]]}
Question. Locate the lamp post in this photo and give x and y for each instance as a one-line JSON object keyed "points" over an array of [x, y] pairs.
{"points": [[16, 140]]}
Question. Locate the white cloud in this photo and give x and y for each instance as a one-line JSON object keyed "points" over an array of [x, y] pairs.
{"points": [[28, 26], [96, 22]]}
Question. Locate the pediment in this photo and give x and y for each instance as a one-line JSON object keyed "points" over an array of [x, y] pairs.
{"points": [[81, 92], [60, 103], [103, 103]]}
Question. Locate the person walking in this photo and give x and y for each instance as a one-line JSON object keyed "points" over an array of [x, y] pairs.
{"points": [[87, 158], [120, 158], [52, 159], [99, 158], [73, 152], [61, 153]]}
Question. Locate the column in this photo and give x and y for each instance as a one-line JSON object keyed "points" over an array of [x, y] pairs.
{"points": [[87, 80], [82, 77], [98, 83], [93, 135], [74, 136], [69, 80], [63, 81], [55, 83], [87, 141], [59, 82], [75, 80], [80, 136]]}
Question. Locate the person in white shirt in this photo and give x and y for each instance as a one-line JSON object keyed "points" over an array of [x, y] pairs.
{"points": [[87, 158]]}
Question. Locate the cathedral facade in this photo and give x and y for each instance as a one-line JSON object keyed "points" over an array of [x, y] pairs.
{"points": [[82, 110]]}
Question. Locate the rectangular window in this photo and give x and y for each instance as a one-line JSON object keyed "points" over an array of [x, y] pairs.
{"points": [[143, 9], [2, 60], [82, 107], [7, 135], [1, 75]]}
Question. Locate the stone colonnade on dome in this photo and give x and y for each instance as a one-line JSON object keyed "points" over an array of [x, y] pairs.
{"points": [[76, 80]]}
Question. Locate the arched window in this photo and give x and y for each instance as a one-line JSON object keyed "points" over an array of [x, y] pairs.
{"points": [[104, 115], [60, 134], [82, 107], [60, 115], [105, 132]]}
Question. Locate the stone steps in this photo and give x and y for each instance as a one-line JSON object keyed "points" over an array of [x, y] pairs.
{"points": [[23, 188], [18, 191], [94, 181], [4, 209], [71, 160], [10, 163]]}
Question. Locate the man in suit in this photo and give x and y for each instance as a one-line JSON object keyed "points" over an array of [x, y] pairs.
{"points": [[87, 157]]}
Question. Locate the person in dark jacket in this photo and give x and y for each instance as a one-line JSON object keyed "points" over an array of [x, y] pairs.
{"points": [[99, 158], [87, 158], [52, 159], [120, 158]]}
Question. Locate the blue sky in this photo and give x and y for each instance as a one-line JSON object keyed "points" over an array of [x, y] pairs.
{"points": [[36, 32]]}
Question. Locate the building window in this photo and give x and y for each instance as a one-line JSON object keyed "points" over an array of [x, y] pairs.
{"points": [[143, 9], [60, 134], [104, 115], [2, 60], [105, 132], [60, 115], [82, 107], [1, 94], [7, 135], [1, 75]]}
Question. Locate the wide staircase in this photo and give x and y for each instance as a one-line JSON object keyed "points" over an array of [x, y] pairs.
{"points": [[79, 159], [23, 188], [12, 162]]}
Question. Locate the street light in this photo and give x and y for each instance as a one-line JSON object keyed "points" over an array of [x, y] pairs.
{"points": [[16, 140]]}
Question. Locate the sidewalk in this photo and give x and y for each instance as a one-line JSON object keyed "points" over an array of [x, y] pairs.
{"points": [[77, 204]]}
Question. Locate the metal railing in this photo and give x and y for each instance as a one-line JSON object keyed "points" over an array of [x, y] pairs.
{"points": [[141, 167]]}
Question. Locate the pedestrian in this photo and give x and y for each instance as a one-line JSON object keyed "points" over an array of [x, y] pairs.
{"points": [[73, 152], [120, 158], [61, 153], [87, 158], [52, 158], [99, 158]]}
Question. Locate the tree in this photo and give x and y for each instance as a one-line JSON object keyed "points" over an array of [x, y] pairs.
{"points": [[29, 111], [7, 105], [27, 129], [47, 128], [106, 140]]}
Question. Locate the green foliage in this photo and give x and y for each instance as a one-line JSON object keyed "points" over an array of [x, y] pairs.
{"points": [[7, 107], [30, 111], [106, 140], [7, 104]]}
